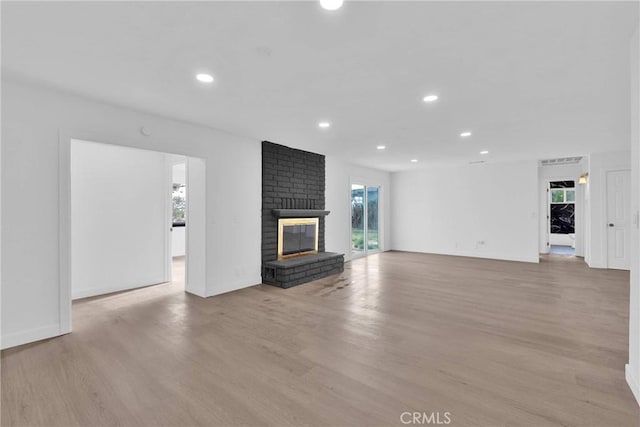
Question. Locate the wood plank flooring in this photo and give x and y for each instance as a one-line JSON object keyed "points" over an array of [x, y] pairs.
{"points": [[493, 343]]}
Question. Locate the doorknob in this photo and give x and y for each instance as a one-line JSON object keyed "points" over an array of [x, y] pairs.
{"points": [[611, 225]]}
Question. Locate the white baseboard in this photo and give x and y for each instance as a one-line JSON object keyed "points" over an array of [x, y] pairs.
{"points": [[502, 257], [633, 382], [595, 264], [198, 291], [634, 385], [92, 292], [497, 256], [25, 337], [231, 287]]}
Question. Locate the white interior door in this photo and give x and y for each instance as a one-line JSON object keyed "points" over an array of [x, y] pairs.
{"points": [[618, 219]]}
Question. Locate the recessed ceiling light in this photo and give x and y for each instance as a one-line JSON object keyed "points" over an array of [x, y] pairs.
{"points": [[324, 124], [381, 147], [414, 160], [430, 98], [204, 78], [484, 152], [465, 134], [331, 4]]}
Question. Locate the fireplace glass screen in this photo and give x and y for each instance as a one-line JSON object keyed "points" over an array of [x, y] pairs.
{"points": [[297, 237]]}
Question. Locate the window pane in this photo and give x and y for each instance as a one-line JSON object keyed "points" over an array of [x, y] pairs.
{"points": [[557, 196], [562, 184], [571, 195]]}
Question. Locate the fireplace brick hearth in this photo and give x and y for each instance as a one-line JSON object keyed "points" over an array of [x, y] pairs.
{"points": [[293, 185]]}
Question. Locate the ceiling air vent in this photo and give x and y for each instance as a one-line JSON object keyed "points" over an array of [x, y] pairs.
{"points": [[561, 161], [477, 162]]}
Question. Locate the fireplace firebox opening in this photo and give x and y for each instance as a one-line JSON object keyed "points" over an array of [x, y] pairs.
{"points": [[297, 237]]}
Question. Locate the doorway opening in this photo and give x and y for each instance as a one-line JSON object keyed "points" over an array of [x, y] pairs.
{"points": [[561, 217], [563, 198], [119, 210], [178, 218], [365, 220]]}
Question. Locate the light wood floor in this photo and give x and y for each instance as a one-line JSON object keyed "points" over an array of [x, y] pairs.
{"points": [[494, 343]]}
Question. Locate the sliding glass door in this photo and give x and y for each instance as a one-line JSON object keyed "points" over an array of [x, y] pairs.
{"points": [[364, 219], [357, 220], [373, 242]]}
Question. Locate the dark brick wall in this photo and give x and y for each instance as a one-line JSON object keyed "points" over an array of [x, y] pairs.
{"points": [[291, 179]]}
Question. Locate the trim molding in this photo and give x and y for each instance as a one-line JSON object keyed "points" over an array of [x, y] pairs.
{"points": [[92, 292], [597, 265], [19, 338], [468, 254], [232, 287], [633, 382]]}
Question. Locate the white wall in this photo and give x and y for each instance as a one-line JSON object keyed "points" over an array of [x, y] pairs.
{"points": [[179, 170], [2, 136], [33, 119], [633, 368], [178, 235], [488, 211], [596, 203], [119, 218], [197, 218], [339, 176], [561, 239], [559, 173]]}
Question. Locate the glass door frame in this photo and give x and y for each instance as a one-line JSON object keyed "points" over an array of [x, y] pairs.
{"points": [[366, 251]]}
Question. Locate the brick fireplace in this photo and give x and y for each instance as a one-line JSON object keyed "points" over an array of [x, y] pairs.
{"points": [[293, 218]]}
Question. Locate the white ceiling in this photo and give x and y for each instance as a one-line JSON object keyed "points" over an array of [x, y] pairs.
{"points": [[530, 80]]}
